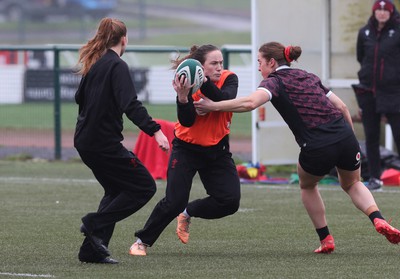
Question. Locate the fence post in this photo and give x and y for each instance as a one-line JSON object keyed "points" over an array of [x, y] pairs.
{"points": [[57, 106], [225, 56]]}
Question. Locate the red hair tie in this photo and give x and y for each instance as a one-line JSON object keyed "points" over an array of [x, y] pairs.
{"points": [[287, 54]]}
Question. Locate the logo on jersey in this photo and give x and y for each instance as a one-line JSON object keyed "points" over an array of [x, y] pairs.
{"points": [[173, 163], [133, 162], [358, 158]]}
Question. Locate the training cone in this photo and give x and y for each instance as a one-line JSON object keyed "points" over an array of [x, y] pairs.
{"points": [[391, 177]]}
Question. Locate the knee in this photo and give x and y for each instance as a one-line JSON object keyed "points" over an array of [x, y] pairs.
{"points": [[308, 186], [176, 209], [173, 207], [349, 179], [143, 194], [234, 206], [231, 206], [151, 190], [346, 186]]}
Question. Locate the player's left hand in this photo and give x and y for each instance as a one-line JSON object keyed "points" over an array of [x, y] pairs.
{"points": [[203, 106], [162, 140]]}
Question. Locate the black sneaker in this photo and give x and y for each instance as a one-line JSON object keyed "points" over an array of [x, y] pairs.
{"points": [[107, 260], [374, 184], [95, 241]]}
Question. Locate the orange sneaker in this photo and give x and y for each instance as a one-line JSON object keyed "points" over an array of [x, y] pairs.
{"points": [[327, 246], [182, 228], [392, 234], [138, 249]]}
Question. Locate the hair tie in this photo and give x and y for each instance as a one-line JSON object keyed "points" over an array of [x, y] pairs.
{"points": [[286, 52]]}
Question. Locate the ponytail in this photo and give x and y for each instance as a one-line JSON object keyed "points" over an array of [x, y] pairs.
{"points": [[282, 55], [108, 35]]}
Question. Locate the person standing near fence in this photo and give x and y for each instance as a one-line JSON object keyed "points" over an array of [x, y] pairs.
{"points": [[201, 145], [105, 93], [378, 94], [322, 126]]}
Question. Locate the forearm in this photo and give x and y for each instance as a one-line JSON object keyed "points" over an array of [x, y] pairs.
{"points": [[347, 117], [242, 104], [340, 105], [186, 113], [228, 90]]}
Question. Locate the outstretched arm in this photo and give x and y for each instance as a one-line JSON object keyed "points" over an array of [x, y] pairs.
{"points": [[243, 104]]}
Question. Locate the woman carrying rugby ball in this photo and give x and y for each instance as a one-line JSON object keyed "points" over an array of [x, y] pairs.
{"points": [[201, 145]]}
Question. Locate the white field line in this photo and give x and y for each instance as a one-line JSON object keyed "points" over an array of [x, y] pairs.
{"points": [[47, 180], [320, 187], [27, 275], [35, 180]]}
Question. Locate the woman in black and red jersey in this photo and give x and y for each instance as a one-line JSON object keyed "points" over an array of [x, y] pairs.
{"points": [[105, 93], [322, 126], [201, 145]]}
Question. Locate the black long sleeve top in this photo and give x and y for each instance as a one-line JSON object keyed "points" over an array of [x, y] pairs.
{"points": [[105, 93], [187, 112], [378, 53]]}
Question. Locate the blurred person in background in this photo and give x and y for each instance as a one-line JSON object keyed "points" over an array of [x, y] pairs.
{"points": [[378, 94], [105, 93]]}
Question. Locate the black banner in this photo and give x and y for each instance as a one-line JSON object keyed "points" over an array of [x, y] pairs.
{"points": [[39, 84]]}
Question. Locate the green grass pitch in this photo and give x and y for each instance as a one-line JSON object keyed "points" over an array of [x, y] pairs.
{"points": [[271, 236]]}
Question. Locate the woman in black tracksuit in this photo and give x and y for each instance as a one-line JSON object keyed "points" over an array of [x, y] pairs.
{"points": [[378, 51], [105, 93]]}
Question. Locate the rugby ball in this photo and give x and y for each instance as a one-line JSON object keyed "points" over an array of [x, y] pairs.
{"points": [[193, 71]]}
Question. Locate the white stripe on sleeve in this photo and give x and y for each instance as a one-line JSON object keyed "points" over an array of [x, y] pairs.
{"points": [[266, 90]]}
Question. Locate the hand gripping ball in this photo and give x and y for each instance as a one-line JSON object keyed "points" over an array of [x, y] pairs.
{"points": [[193, 71]]}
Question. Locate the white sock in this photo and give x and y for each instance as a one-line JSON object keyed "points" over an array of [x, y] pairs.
{"points": [[139, 241], [186, 214]]}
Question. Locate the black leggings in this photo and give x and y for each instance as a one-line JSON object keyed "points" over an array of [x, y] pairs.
{"points": [[372, 129], [128, 186], [218, 173]]}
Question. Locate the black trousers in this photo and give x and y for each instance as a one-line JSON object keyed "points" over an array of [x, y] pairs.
{"points": [[218, 173], [128, 186], [372, 129]]}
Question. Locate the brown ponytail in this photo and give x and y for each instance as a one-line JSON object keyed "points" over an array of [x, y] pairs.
{"points": [[109, 34], [283, 55]]}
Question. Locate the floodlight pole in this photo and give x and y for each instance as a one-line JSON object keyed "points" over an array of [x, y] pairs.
{"points": [[57, 105], [254, 51]]}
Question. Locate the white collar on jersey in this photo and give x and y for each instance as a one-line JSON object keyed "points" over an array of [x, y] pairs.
{"points": [[282, 67]]}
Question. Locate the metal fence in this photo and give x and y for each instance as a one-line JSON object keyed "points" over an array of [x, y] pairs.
{"points": [[46, 74]]}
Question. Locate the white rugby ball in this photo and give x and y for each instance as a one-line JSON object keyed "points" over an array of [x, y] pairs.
{"points": [[193, 71]]}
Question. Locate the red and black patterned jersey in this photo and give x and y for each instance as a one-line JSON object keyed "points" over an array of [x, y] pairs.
{"points": [[302, 101]]}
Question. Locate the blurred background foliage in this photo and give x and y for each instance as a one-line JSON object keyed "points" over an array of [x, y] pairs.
{"points": [[149, 22]]}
